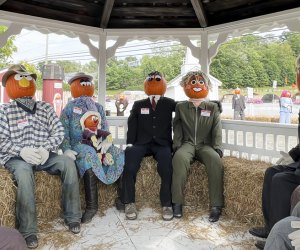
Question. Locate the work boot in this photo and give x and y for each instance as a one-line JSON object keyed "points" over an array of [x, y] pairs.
{"points": [[119, 204], [32, 241], [177, 210], [260, 244], [91, 196], [130, 211], [261, 232], [215, 214]]}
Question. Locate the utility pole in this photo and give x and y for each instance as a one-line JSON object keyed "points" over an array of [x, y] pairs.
{"points": [[46, 52]]}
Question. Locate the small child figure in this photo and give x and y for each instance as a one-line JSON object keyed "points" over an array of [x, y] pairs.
{"points": [[95, 137]]}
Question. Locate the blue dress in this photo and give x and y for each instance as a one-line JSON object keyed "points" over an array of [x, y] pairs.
{"points": [[87, 157]]}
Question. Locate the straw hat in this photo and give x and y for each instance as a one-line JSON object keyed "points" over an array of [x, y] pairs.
{"points": [[16, 69]]}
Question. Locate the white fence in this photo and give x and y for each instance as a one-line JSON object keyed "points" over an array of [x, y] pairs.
{"points": [[244, 139]]}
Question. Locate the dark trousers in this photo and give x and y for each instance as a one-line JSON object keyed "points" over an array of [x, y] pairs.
{"points": [[133, 158], [279, 184]]}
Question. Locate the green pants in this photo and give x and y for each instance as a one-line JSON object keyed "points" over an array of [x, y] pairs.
{"points": [[213, 165]]}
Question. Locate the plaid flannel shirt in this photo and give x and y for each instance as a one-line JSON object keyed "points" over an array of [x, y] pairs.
{"points": [[19, 129]]}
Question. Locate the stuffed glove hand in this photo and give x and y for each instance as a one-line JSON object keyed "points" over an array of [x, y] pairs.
{"points": [[44, 153], [94, 141], [71, 153], [285, 159], [295, 236], [108, 159], [106, 144], [31, 155]]}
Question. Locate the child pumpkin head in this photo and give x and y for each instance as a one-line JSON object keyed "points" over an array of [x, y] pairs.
{"points": [[91, 120], [18, 82], [155, 84], [82, 85], [196, 84]]}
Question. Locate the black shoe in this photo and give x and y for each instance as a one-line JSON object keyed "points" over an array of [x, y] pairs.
{"points": [[32, 241], [74, 227], [215, 214], [261, 232], [88, 215], [260, 244], [119, 205], [177, 210]]}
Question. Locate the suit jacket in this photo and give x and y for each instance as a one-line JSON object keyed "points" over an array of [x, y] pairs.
{"points": [[146, 125], [238, 104]]}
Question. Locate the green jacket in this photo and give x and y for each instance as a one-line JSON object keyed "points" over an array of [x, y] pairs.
{"points": [[198, 126]]}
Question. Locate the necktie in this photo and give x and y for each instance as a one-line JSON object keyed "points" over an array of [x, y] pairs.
{"points": [[153, 103]]}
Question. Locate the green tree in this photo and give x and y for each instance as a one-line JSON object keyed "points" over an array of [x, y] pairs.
{"points": [[7, 50]]}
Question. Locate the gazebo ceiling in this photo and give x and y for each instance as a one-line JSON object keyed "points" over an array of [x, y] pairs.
{"points": [[122, 14]]}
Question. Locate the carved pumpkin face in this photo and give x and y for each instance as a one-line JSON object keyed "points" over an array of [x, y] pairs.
{"points": [[155, 84], [237, 91], [20, 85], [82, 87], [91, 122], [196, 87]]}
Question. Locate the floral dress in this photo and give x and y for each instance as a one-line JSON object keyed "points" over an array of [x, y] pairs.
{"points": [[87, 157]]}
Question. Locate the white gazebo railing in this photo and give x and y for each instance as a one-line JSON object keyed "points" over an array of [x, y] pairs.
{"points": [[244, 139]]}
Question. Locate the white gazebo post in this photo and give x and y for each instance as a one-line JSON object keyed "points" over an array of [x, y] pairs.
{"points": [[102, 59], [204, 60]]}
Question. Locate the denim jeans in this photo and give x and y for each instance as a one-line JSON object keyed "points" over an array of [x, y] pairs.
{"points": [[25, 204]]}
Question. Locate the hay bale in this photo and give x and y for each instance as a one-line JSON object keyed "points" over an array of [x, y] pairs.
{"points": [[243, 181], [7, 199]]}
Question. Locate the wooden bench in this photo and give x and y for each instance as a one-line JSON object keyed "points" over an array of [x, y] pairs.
{"points": [[243, 181]]}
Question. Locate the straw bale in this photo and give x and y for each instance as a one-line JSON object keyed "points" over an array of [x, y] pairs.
{"points": [[243, 181], [242, 189], [7, 199]]}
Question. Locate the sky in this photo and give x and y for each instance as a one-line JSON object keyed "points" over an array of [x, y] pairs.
{"points": [[32, 47]]}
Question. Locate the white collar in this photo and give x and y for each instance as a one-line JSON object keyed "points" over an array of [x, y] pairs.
{"points": [[157, 97]]}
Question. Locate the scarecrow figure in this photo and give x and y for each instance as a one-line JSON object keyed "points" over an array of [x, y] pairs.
{"points": [[121, 105], [91, 168], [149, 133], [197, 135], [286, 105], [30, 134], [95, 137], [238, 105]]}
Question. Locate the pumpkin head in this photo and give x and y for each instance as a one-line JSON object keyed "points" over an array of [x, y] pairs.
{"points": [[155, 84], [286, 93], [18, 82], [298, 72], [90, 120], [237, 91], [82, 85], [195, 84]]}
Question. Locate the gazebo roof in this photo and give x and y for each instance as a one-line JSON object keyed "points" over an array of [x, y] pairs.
{"points": [[128, 14]]}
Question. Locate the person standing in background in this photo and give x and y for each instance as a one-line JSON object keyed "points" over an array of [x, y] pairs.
{"points": [[286, 104], [238, 105]]}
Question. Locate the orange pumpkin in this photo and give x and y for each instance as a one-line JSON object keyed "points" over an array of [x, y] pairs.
{"points": [[155, 84], [82, 87], [91, 122], [196, 86], [237, 91], [18, 85]]}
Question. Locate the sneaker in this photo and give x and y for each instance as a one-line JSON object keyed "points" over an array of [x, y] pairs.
{"points": [[74, 227], [167, 213], [32, 241], [130, 211], [177, 210]]}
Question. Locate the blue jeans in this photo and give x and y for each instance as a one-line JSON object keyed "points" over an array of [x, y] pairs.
{"points": [[25, 204]]}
